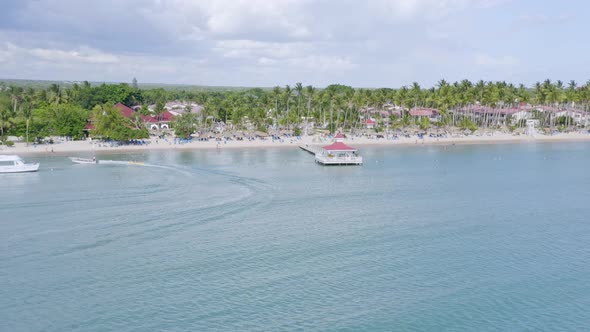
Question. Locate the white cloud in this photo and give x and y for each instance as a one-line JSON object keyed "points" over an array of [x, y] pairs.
{"points": [[7, 52], [83, 54], [492, 3], [483, 59], [546, 19], [87, 64], [323, 63], [252, 48], [235, 17], [219, 19], [403, 11], [265, 42], [266, 61]]}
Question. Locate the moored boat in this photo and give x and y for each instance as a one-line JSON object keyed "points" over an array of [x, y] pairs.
{"points": [[15, 164]]}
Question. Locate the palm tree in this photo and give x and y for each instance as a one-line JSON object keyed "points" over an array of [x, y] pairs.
{"points": [[539, 97], [277, 94], [571, 92], [288, 93], [16, 95], [416, 92], [309, 91], [480, 88], [54, 93], [299, 90], [27, 113], [6, 114]]}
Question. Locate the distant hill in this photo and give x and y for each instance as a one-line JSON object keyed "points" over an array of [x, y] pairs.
{"points": [[46, 83]]}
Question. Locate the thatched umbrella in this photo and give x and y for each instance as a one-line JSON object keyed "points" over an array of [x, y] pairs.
{"points": [[260, 134]]}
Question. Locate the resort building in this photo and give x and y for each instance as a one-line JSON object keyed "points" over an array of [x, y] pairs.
{"points": [[161, 121], [431, 113], [580, 117]]}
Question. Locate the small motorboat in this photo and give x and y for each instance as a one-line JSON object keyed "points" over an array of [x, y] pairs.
{"points": [[15, 164], [84, 160]]}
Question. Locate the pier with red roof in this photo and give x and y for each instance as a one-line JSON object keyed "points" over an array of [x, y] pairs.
{"points": [[336, 153]]}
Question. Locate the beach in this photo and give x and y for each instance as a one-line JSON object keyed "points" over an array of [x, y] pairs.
{"points": [[92, 146]]}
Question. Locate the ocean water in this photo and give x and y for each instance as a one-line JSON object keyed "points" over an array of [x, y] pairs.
{"points": [[465, 238]]}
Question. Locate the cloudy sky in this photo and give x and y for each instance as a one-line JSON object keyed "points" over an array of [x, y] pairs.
{"points": [[371, 43]]}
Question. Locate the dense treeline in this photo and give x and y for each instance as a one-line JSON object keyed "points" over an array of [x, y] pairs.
{"points": [[37, 112]]}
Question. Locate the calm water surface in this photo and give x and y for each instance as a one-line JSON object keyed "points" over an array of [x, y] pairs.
{"points": [[471, 238]]}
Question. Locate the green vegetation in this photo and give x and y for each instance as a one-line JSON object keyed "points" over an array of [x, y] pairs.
{"points": [[39, 109], [111, 124], [7, 143], [424, 123], [185, 125]]}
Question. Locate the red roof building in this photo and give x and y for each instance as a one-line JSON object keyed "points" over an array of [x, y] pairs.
{"points": [[166, 117], [338, 146], [149, 119], [126, 111], [419, 111]]}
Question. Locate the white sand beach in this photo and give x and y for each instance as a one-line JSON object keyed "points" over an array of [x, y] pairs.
{"points": [[90, 147]]}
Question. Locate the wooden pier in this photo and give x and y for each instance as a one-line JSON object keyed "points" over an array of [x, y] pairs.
{"points": [[313, 149]]}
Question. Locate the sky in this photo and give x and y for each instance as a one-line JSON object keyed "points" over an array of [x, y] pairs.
{"points": [[371, 43]]}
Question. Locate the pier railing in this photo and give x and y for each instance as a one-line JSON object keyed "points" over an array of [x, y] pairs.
{"points": [[337, 160]]}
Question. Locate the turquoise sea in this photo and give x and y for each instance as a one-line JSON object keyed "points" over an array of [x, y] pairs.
{"points": [[467, 238]]}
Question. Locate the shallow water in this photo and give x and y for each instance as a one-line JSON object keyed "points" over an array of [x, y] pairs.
{"points": [[486, 238]]}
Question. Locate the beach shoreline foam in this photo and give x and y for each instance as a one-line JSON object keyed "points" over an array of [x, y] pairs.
{"points": [[92, 147]]}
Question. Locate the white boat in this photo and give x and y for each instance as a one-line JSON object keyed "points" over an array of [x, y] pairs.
{"points": [[15, 164], [84, 160]]}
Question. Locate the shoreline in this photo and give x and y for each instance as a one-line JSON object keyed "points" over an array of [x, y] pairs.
{"points": [[88, 147]]}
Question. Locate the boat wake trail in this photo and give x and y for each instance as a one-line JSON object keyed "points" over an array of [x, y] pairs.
{"points": [[121, 162]]}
